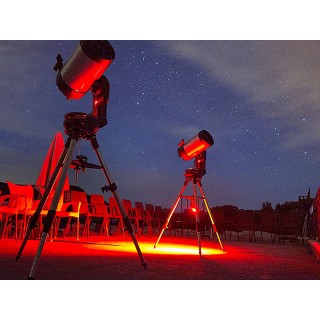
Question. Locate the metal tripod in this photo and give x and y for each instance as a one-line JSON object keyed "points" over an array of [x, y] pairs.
{"points": [[195, 176], [77, 125]]}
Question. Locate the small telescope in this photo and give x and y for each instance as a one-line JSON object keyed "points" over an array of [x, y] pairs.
{"points": [[84, 71], [195, 146]]}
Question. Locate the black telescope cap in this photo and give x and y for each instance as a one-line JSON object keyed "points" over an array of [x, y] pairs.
{"points": [[206, 136], [98, 49]]}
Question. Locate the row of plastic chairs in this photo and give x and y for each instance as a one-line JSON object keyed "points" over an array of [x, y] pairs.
{"points": [[75, 217], [17, 207], [107, 218]]}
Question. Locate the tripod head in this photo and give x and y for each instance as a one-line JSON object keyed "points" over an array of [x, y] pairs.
{"points": [[80, 125], [84, 72], [199, 167]]}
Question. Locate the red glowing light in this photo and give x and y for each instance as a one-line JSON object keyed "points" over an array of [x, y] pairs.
{"points": [[166, 248], [194, 210]]}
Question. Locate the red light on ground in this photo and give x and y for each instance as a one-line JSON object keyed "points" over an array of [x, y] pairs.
{"points": [[184, 250], [162, 249]]}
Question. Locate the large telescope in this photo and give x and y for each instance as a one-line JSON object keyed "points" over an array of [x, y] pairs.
{"points": [[84, 72]]}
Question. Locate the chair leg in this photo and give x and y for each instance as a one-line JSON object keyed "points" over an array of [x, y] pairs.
{"points": [[55, 227], [16, 228], [67, 227], [78, 228], [135, 226], [5, 226], [121, 227], [86, 228], [107, 226]]}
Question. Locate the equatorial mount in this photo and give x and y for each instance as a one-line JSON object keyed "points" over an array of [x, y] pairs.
{"points": [[199, 168], [80, 125], [193, 174]]}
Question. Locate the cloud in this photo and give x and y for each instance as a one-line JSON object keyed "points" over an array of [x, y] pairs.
{"points": [[279, 80], [184, 131]]}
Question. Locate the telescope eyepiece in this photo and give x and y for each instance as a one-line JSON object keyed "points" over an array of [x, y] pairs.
{"points": [[59, 64]]}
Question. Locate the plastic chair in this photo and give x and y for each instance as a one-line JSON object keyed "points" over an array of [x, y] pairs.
{"points": [[99, 211], [69, 211], [143, 221], [14, 208], [84, 213], [153, 218], [43, 213], [9, 210], [132, 215], [159, 212], [116, 220]]}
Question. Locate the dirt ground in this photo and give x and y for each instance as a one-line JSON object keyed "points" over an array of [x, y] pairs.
{"points": [[175, 258]]}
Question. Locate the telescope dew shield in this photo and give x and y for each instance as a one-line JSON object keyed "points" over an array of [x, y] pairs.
{"points": [[87, 64], [199, 143]]}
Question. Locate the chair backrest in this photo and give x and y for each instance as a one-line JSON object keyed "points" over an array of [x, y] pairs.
{"points": [[128, 208], [139, 208], [158, 212], [97, 199], [8, 201], [25, 196], [150, 211], [100, 208], [80, 196], [114, 211]]}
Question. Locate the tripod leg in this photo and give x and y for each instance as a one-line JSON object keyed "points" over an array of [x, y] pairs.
{"points": [[210, 214], [52, 212], [195, 198], [171, 212], [34, 219], [113, 189]]}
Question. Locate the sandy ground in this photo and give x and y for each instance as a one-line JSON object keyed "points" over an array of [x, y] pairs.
{"points": [[175, 258]]}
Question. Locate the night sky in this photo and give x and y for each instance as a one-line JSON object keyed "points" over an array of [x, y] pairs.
{"points": [[258, 99]]}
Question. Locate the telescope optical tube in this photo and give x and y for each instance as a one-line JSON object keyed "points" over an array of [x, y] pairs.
{"points": [[199, 143], [87, 64]]}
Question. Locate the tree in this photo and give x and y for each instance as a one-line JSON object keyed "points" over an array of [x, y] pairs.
{"points": [[267, 206]]}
